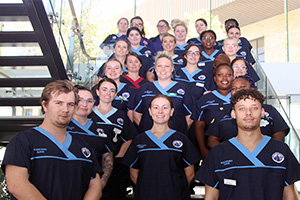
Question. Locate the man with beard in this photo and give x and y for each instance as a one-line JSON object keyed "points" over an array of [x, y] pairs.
{"points": [[250, 165], [46, 162]]}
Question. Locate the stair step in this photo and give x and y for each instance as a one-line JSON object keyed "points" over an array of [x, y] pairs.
{"points": [[13, 12], [25, 82], [22, 61], [16, 38]]}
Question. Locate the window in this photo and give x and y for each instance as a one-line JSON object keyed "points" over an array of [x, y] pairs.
{"points": [[259, 48]]}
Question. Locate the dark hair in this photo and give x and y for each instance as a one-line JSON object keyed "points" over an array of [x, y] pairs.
{"points": [[165, 97], [247, 94], [232, 19], [220, 65], [123, 18], [168, 34], [143, 30], [221, 59], [109, 80], [246, 78], [122, 40], [56, 88], [185, 52], [237, 59], [135, 55], [208, 31], [133, 28], [233, 27], [201, 19], [165, 21]]}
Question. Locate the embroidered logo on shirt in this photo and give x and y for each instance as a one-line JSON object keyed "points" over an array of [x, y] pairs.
{"points": [[263, 123], [278, 157], [201, 64], [202, 77], [100, 132], [226, 162], [180, 60], [200, 84], [209, 102], [120, 121], [181, 91], [114, 37], [148, 53], [40, 150], [126, 95], [243, 53], [267, 114], [86, 152], [177, 143], [148, 91], [140, 146]]}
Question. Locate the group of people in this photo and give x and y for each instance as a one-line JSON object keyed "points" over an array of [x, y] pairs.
{"points": [[159, 108]]}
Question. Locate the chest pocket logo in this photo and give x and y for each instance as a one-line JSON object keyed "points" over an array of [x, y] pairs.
{"points": [[177, 143], [278, 157], [86, 152]]}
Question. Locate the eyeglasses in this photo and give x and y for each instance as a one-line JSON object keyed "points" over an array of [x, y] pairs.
{"points": [[230, 45], [87, 101], [239, 67], [206, 38], [162, 26], [196, 53], [136, 24]]}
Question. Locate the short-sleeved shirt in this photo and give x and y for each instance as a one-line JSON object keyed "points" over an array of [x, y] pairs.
{"points": [[133, 84], [179, 49], [146, 55], [226, 128], [161, 164], [110, 41], [244, 49], [157, 44], [124, 94], [180, 96], [211, 106], [115, 125], [98, 142], [206, 62], [240, 174], [198, 82], [59, 171]]}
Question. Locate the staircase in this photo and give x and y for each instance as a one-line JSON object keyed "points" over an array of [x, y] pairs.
{"points": [[23, 75]]}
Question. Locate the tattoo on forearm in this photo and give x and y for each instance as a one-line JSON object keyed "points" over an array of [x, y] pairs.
{"points": [[107, 166]]}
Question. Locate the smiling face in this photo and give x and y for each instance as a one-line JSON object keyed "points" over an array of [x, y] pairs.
{"points": [[200, 26], [168, 43], [248, 113], [180, 33], [208, 40], [106, 92], [121, 48], [161, 110], [60, 109], [133, 64], [230, 47], [223, 78], [134, 37], [164, 68], [85, 104], [193, 55], [113, 70]]}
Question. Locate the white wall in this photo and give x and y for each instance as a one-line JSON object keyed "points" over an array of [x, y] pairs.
{"points": [[285, 77]]}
